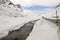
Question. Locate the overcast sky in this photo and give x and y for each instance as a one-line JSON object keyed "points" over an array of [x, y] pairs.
{"points": [[36, 2], [32, 3]]}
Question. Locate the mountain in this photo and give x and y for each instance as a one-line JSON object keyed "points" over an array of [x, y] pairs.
{"points": [[9, 9]]}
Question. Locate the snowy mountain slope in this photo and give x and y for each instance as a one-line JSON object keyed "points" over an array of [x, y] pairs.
{"points": [[10, 23], [10, 10], [11, 16]]}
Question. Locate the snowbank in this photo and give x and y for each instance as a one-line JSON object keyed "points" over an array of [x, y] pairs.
{"points": [[8, 23]]}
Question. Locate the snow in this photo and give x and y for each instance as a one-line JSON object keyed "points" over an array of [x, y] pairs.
{"points": [[9, 10], [8, 23], [44, 30], [12, 18]]}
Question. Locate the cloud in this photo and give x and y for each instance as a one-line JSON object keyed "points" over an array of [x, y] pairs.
{"points": [[22, 2], [46, 2], [36, 2], [37, 5], [37, 8]]}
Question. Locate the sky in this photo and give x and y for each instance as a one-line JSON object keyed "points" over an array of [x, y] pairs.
{"points": [[37, 5]]}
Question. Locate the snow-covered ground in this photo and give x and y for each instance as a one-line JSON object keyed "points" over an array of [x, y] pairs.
{"points": [[8, 23], [44, 30], [12, 18]]}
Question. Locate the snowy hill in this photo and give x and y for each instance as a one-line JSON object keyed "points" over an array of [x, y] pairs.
{"points": [[12, 16], [9, 9]]}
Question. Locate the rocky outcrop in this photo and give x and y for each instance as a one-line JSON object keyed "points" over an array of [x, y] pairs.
{"points": [[8, 8], [4, 1]]}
